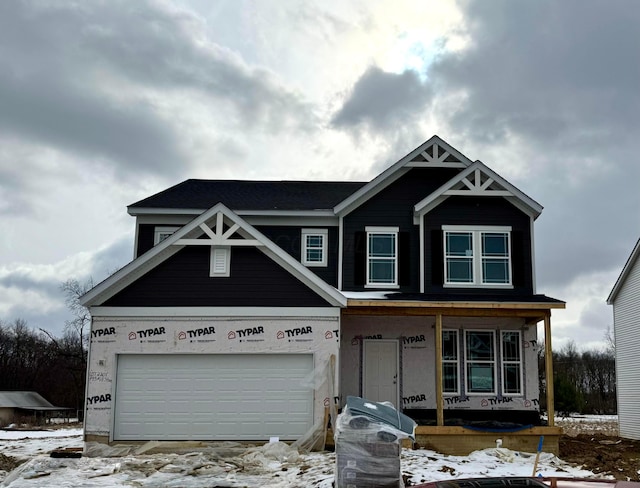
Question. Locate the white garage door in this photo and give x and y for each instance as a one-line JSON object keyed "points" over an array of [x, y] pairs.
{"points": [[212, 396]]}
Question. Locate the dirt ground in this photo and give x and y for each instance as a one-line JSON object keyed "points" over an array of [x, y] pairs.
{"points": [[598, 448]]}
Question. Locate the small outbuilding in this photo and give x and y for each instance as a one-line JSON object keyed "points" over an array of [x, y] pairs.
{"points": [[16, 406], [625, 298]]}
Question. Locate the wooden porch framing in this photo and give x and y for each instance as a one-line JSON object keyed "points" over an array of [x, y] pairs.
{"points": [[448, 439]]}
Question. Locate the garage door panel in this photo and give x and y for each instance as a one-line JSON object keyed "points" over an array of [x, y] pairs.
{"points": [[209, 397]]}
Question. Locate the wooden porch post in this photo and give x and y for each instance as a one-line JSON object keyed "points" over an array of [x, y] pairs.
{"points": [[439, 397], [548, 369]]}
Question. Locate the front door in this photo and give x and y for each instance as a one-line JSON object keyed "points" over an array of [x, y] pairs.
{"points": [[380, 371]]}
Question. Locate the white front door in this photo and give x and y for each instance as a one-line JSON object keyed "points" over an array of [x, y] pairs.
{"points": [[380, 371]]}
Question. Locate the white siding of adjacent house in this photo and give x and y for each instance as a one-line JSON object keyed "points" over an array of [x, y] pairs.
{"points": [[626, 316]]}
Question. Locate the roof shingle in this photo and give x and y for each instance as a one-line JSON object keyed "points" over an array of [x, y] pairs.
{"points": [[252, 195]]}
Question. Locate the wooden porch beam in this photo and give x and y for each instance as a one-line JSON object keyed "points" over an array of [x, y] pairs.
{"points": [[439, 394], [454, 305], [533, 316], [548, 370]]}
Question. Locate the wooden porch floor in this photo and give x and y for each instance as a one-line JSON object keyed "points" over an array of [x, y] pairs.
{"points": [[460, 441]]}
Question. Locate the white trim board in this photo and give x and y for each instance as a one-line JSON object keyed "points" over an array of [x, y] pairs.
{"points": [[210, 312]]}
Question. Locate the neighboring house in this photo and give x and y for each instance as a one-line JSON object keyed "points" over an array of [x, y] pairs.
{"points": [[18, 406], [251, 306], [625, 298]]}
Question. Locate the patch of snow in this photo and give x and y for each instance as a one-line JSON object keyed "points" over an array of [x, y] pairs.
{"points": [[274, 464], [368, 295]]}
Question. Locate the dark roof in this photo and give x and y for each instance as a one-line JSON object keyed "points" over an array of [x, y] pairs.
{"points": [[459, 297], [26, 400], [252, 195]]}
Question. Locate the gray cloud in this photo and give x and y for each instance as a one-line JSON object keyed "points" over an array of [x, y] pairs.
{"points": [[546, 70], [381, 100], [32, 282], [93, 78], [560, 78]]}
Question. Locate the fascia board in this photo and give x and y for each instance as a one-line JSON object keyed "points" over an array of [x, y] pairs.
{"points": [[523, 197], [257, 213], [624, 273], [166, 248], [209, 312], [135, 211], [519, 199], [391, 174]]}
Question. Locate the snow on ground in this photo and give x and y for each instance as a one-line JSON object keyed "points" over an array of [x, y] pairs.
{"points": [[229, 465]]}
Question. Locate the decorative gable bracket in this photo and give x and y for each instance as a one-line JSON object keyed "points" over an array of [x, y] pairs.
{"points": [[218, 236], [478, 183], [477, 180], [435, 156]]}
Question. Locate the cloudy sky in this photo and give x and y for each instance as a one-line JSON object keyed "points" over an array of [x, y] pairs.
{"points": [[103, 103]]}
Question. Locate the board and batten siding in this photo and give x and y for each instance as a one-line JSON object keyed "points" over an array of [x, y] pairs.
{"points": [[626, 318]]}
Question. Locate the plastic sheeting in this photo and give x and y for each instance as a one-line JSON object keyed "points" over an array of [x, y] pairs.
{"points": [[368, 440]]}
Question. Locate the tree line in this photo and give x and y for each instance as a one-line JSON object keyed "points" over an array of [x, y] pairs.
{"points": [[584, 382], [36, 360]]}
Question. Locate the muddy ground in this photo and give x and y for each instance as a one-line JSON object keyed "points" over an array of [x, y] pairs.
{"points": [[598, 448]]}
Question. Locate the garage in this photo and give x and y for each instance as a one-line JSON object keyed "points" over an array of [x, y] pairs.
{"points": [[212, 396]]}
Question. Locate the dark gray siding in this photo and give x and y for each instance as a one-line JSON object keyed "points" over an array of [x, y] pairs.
{"points": [[393, 206], [145, 238], [183, 281], [289, 239], [478, 211]]}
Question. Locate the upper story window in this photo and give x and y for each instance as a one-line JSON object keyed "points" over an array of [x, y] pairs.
{"points": [[382, 257], [477, 256], [161, 233], [314, 247]]}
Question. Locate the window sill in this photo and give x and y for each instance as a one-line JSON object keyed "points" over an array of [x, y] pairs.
{"points": [[382, 286], [478, 286], [315, 265]]}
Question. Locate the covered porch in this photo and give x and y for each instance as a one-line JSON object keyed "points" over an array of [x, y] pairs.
{"points": [[458, 421]]}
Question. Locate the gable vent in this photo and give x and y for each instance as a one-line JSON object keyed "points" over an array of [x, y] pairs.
{"points": [[220, 260]]}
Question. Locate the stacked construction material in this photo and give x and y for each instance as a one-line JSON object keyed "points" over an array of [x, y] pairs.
{"points": [[368, 440]]}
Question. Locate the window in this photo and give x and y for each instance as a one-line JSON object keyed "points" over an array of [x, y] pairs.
{"points": [[450, 363], [480, 360], [314, 247], [161, 233], [382, 257], [477, 256], [511, 362], [220, 262], [481, 363]]}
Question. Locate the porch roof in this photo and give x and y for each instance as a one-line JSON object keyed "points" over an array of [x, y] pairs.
{"points": [[26, 400], [532, 307], [425, 300]]}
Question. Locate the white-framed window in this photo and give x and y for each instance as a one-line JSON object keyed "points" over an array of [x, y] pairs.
{"points": [[477, 256], [450, 362], [480, 362], [511, 356], [220, 265], [382, 257], [314, 247], [161, 233]]}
